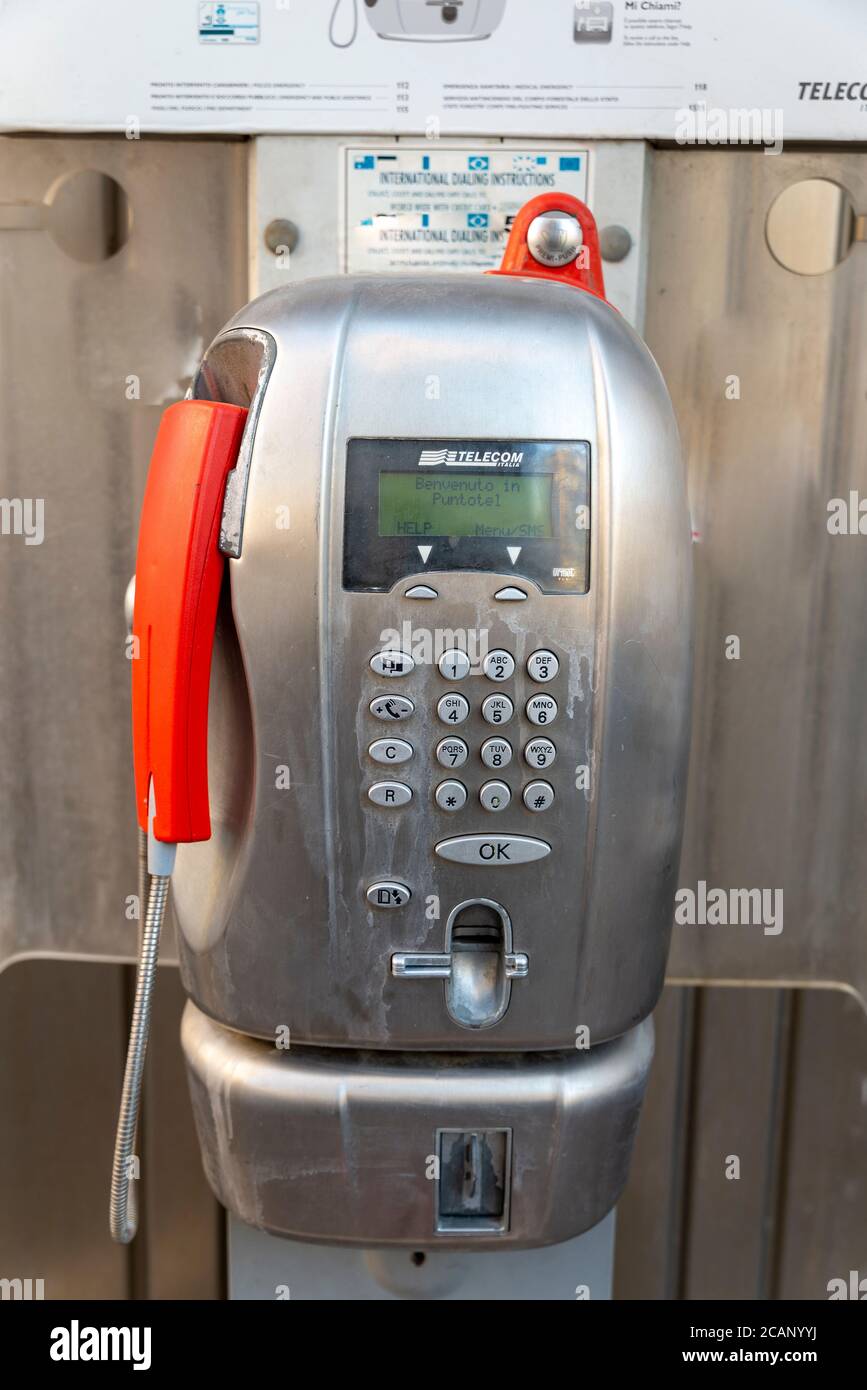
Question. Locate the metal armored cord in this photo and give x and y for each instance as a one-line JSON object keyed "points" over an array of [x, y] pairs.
{"points": [[142, 882], [123, 1219]]}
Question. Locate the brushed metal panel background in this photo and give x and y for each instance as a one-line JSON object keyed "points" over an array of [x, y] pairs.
{"points": [[72, 334], [778, 773]]}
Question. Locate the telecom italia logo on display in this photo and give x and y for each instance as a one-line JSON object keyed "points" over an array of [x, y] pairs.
{"points": [[506, 458]]}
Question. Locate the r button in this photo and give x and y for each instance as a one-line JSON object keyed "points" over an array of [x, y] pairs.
{"points": [[390, 794]]}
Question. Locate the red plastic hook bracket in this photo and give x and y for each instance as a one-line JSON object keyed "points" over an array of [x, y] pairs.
{"points": [[584, 273], [179, 570]]}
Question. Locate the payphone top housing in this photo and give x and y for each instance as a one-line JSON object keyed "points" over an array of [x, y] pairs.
{"points": [[450, 691]]}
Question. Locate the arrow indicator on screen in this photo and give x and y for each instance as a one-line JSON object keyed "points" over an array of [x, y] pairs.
{"points": [[514, 551], [424, 551]]}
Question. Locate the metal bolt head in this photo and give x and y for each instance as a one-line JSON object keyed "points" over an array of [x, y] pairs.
{"points": [[281, 235], [554, 238], [615, 243]]}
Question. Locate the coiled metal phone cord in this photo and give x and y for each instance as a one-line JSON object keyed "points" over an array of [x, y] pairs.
{"points": [[123, 1216]]}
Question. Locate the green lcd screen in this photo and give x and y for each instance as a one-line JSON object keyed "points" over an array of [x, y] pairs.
{"points": [[465, 504]]}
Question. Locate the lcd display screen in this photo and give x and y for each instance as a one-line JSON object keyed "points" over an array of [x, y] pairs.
{"points": [[512, 506]]}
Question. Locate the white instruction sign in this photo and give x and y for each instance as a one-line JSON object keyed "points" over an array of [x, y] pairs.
{"points": [[427, 208], [754, 72]]}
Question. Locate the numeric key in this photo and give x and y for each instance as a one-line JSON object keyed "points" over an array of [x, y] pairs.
{"points": [[542, 666], [499, 665], [541, 709], [495, 796], [496, 752], [452, 752], [540, 752], [454, 664], [497, 709], [452, 709]]}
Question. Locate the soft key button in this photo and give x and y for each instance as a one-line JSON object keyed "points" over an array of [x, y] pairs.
{"points": [[391, 663], [390, 750]]}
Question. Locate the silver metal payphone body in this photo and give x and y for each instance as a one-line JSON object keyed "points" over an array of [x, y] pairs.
{"points": [[448, 738]]}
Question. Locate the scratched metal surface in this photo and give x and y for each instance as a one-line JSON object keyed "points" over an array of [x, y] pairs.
{"points": [[778, 773], [71, 334]]}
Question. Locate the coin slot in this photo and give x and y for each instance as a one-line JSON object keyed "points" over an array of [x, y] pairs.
{"points": [[478, 988]]}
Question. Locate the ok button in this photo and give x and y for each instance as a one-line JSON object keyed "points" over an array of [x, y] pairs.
{"points": [[494, 850]]}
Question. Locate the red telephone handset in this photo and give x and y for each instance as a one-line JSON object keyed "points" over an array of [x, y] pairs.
{"points": [[179, 570]]}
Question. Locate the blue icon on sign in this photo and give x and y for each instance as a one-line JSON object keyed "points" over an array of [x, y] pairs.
{"points": [[570, 162], [366, 162], [477, 219], [478, 161]]}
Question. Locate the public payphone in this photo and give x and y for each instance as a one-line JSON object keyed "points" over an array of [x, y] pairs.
{"points": [[434, 530]]}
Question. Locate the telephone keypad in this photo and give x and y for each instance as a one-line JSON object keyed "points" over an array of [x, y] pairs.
{"points": [[496, 753]]}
